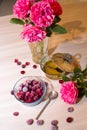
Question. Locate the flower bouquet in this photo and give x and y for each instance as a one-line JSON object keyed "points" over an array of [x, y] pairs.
{"points": [[39, 19]]}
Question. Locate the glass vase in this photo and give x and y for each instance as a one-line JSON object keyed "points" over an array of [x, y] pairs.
{"points": [[39, 50]]}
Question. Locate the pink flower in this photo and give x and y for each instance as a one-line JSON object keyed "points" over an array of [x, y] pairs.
{"points": [[21, 8], [57, 9], [32, 33], [69, 92], [41, 14]]}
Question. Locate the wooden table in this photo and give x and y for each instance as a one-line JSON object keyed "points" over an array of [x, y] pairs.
{"points": [[74, 18]]}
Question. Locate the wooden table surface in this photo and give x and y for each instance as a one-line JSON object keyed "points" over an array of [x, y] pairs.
{"points": [[74, 18]]}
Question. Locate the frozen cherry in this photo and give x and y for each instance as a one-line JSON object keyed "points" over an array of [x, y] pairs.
{"points": [[38, 90], [53, 127], [70, 109], [20, 95], [15, 113], [30, 121], [19, 63], [25, 89], [12, 92], [23, 65], [27, 94], [35, 97], [54, 122], [40, 122], [31, 95]]}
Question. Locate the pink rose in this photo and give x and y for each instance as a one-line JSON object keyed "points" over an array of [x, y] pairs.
{"points": [[41, 14], [69, 92], [57, 9], [33, 34], [21, 8]]}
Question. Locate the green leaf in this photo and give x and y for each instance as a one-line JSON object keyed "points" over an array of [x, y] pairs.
{"points": [[58, 29], [49, 31], [74, 77], [85, 84], [17, 21], [77, 70], [37, 0], [85, 72], [85, 75], [65, 78], [57, 19], [80, 92], [81, 77], [79, 83]]}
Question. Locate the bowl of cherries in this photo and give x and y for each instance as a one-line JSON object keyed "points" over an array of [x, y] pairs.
{"points": [[30, 90]]}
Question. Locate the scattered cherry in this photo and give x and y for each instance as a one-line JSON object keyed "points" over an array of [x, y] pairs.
{"points": [[15, 60], [22, 72], [23, 65], [54, 122], [34, 66], [12, 92], [15, 113], [19, 63], [69, 119], [27, 63], [70, 109], [61, 81], [53, 127], [40, 122], [30, 121]]}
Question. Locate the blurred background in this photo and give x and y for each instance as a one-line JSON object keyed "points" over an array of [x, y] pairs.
{"points": [[6, 6]]}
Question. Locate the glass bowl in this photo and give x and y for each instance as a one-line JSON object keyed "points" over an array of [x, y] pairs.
{"points": [[30, 90]]}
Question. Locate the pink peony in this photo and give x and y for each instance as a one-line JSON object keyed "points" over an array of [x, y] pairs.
{"points": [[21, 8], [41, 14], [33, 34], [69, 92], [57, 9]]}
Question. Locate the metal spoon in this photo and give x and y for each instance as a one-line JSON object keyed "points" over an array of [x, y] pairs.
{"points": [[52, 95]]}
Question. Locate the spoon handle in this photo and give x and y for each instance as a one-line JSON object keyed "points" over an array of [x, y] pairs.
{"points": [[43, 109]]}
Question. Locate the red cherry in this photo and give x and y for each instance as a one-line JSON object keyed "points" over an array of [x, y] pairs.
{"points": [[12, 92], [34, 66], [61, 81], [30, 121], [15, 113], [19, 63], [22, 72], [27, 63], [23, 65], [15, 60], [69, 119]]}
